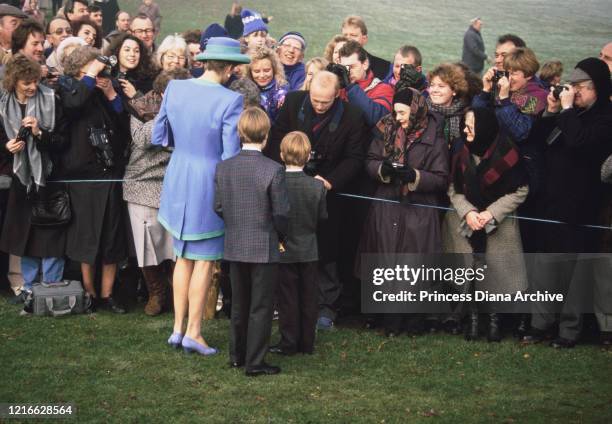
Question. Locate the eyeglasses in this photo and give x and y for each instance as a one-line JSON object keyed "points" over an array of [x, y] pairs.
{"points": [[61, 31], [585, 85], [147, 31], [173, 57], [290, 47]]}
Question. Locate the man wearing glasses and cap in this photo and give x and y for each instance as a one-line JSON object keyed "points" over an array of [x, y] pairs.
{"points": [[575, 133], [10, 19]]}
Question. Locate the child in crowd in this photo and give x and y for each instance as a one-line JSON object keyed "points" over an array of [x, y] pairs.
{"points": [[251, 197], [255, 32], [298, 289], [151, 9]]}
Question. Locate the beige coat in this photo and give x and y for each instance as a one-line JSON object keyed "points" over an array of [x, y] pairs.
{"points": [[506, 271]]}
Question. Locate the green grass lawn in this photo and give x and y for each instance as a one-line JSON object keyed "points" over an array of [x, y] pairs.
{"points": [[119, 369], [560, 29]]}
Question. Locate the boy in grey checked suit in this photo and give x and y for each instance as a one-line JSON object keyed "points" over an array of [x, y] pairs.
{"points": [[298, 287], [251, 197]]}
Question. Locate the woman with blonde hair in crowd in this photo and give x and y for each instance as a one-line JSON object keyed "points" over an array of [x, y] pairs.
{"points": [[333, 47], [313, 66], [172, 53], [267, 72]]}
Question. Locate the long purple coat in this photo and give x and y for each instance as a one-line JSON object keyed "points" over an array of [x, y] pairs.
{"points": [[405, 228]]}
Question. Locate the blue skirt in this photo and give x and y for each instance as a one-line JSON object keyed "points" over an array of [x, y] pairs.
{"points": [[210, 249]]}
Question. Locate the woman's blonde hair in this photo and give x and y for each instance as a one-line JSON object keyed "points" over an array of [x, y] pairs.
{"points": [[522, 59], [263, 53], [253, 126], [172, 42], [550, 70], [331, 45], [321, 64], [295, 148]]}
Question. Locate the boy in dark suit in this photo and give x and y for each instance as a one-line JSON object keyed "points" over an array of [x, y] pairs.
{"points": [[298, 290], [251, 197]]}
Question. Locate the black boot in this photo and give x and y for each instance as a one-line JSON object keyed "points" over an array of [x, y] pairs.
{"points": [[472, 327], [494, 334], [523, 325]]}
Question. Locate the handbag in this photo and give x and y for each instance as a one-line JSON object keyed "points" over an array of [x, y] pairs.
{"points": [[50, 209]]}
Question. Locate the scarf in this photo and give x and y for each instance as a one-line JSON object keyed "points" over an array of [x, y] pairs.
{"points": [[453, 115], [499, 172], [531, 99], [272, 98], [397, 139], [29, 165]]}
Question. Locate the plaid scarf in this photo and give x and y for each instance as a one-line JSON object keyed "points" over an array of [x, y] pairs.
{"points": [[500, 170], [453, 115], [397, 139]]}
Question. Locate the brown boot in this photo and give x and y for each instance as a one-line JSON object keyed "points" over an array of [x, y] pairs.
{"points": [[155, 278]]}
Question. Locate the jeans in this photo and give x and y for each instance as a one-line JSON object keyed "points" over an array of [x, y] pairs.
{"points": [[52, 270]]}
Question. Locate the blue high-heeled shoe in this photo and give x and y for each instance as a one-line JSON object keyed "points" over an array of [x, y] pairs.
{"points": [[191, 346], [175, 340]]}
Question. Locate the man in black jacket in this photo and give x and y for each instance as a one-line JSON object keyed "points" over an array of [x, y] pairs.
{"points": [[338, 137], [576, 136], [354, 28]]}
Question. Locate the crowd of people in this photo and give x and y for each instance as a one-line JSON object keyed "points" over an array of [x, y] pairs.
{"points": [[221, 157]]}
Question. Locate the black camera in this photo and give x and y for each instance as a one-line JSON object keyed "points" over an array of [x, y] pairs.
{"points": [[410, 77], [122, 75], [341, 72], [557, 89], [314, 161], [110, 62], [100, 140], [23, 133], [497, 75], [397, 165]]}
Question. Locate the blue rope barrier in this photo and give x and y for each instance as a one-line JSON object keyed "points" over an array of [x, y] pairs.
{"points": [[377, 199]]}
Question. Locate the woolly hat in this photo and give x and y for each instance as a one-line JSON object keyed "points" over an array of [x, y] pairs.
{"points": [[403, 96], [252, 22], [293, 35], [212, 30], [70, 41], [599, 73]]}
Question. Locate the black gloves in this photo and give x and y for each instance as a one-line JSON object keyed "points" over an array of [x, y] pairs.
{"points": [[406, 174], [341, 72], [411, 78], [386, 169]]}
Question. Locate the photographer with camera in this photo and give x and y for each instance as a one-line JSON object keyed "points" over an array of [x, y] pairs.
{"points": [[407, 63], [96, 152], [519, 100], [134, 70], [338, 135], [29, 131], [359, 85], [575, 135]]}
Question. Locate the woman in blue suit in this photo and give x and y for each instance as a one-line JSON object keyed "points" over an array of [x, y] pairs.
{"points": [[199, 118]]}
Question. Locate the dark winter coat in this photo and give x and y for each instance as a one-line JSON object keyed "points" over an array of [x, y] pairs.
{"points": [[341, 144], [405, 228]]}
